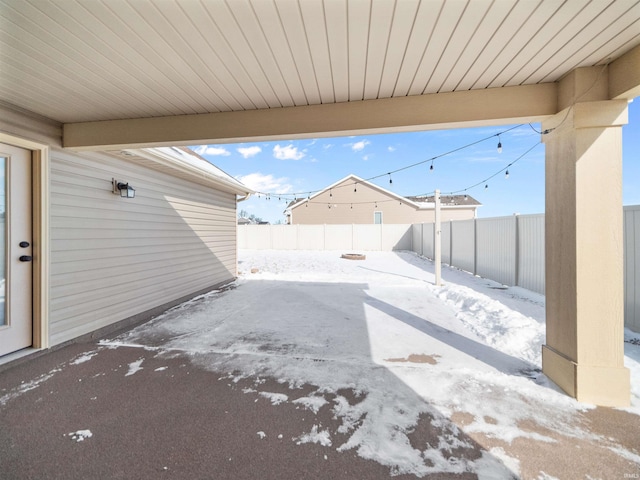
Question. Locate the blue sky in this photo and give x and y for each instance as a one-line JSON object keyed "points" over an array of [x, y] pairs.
{"points": [[301, 166]]}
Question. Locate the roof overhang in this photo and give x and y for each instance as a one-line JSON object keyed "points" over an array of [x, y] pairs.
{"points": [[132, 74], [195, 170], [495, 106]]}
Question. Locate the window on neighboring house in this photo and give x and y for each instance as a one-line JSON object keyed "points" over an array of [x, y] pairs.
{"points": [[377, 218]]}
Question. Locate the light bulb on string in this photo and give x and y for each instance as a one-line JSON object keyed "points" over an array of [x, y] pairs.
{"points": [[506, 174], [390, 179], [431, 167], [355, 189], [331, 193], [499, 145], [352, 206], [486, 186]]}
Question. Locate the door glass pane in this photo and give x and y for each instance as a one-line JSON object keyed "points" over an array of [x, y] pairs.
{"points": [[3, 237], [378, 218]]}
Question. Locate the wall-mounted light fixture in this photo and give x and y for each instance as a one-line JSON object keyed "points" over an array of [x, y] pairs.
{"points": [[123, 189]]}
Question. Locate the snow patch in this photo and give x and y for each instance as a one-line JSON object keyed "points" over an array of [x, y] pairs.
{"points": [[85, 357], [313, 403], [134, 367], [262, 435], [322, 437], [276, 398], [27, 386], [80, 435]]}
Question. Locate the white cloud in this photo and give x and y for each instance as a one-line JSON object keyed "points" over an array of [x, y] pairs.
{"points": [[391, 149], [212, 150], [248, 152], [266, 183], [365, 157], [288, 152], [356, 147]]}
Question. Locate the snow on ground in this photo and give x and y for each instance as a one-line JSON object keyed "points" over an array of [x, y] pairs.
{"points": [[411, 351], [80, 435], [134, 367]]}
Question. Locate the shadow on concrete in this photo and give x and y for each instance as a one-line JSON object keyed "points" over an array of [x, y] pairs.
{"points": [[187, 413]]}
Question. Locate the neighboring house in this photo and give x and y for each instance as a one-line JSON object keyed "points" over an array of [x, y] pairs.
{"points": [[97, 260], [353, 200], [244, 221]]}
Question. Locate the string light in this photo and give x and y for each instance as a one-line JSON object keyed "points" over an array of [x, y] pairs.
{"points": [[431, 168], [485, 182], [499, 144], [390, 180]]}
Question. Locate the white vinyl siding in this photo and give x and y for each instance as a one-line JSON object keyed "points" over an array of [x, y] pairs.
{"points": [[113, 258]]}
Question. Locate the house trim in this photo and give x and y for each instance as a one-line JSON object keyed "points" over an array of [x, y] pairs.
{"points": [[196, 173], [40, 159]]}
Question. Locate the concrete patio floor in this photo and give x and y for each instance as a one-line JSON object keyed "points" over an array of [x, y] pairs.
{"points": [[183, 416]]}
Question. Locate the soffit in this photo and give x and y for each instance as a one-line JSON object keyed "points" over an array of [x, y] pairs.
{"points": [[91, 60]]}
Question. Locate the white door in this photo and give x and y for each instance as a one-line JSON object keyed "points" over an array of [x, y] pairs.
{"points": [[16, 267]]}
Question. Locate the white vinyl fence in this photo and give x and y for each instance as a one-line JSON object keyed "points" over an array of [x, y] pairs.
{"points": [[509, 250], [632, 267], [325, 237]]}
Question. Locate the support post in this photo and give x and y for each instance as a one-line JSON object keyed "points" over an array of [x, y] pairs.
{"points": [[584, 350], [437, 243]]}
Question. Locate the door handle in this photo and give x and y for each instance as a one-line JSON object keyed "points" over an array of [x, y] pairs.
{"points": [[25, 258]]}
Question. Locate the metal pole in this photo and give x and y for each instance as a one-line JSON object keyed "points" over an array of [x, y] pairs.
{"points": [[438, 241]]}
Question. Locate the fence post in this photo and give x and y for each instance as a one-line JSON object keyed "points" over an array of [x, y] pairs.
{"points": [[437, 245], [475, 246], [517, 251]]}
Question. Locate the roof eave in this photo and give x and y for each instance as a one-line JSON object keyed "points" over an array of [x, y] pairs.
{"points": [[175, 163]]}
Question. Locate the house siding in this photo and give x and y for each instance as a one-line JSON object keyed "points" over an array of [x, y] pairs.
{"points": [[113, 258], [341, 205]]}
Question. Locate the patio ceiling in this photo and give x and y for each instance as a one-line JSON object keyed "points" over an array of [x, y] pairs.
{"points": [[77, 61]]}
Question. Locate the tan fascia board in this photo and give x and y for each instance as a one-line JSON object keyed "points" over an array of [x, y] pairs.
{"points": [[176, 164], [468, 108], [624, 76]]}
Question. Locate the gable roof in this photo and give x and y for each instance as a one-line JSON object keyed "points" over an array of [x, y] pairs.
{"points": [[419, 202]]}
